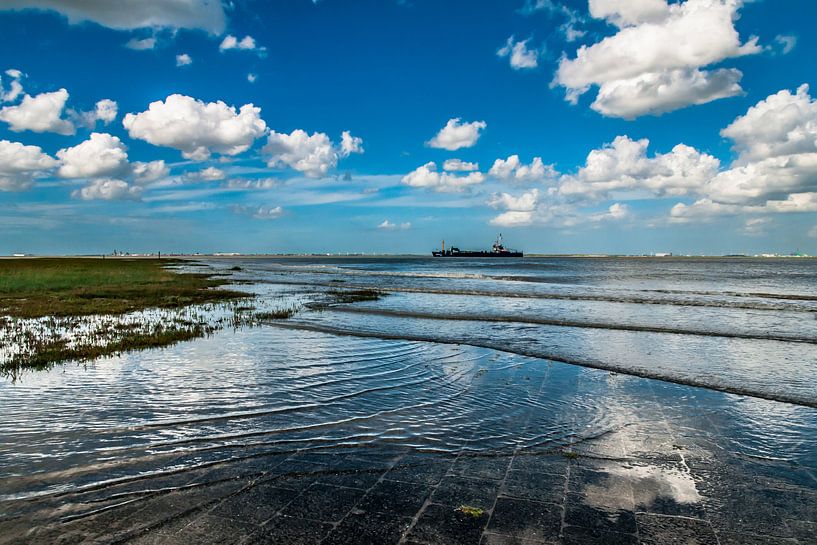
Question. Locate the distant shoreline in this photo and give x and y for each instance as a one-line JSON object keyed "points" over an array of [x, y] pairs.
{"points": [[396, 256]]}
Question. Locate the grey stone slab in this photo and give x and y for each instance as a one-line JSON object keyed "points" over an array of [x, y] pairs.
{"points": [[324, 502], [525, 519], [164, 532], [751, 511], [749, 539], [444, 525], [256, 505], [535, 486], [574, 535], [497, 539], [484, 467], [395, 497], [663, 530], [369, 528], [805, 530], [164, 506], [615, 481], [210, 529], [540, 463], [602, 517], [419, 470], [351, 479], [456, 491], [283, 530], [669, 506]]}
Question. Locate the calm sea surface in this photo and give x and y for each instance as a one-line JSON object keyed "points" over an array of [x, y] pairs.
{"points": [[461, 355]]}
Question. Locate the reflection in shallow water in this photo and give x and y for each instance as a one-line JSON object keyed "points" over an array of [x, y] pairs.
{"points": [[454, 422]]}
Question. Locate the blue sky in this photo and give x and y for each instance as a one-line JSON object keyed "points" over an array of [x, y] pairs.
{"points": [[301, 126]]}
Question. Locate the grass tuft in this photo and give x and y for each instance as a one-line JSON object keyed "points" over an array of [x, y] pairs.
{"points": [[355, 296], [48, 353], [470, 511], [277, 314]]}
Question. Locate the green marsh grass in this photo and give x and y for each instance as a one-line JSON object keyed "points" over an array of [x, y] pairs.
{"points": [[33, 288], [59, 309]]}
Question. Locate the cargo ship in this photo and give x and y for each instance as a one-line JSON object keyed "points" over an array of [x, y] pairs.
{"points": [[497, 250]]}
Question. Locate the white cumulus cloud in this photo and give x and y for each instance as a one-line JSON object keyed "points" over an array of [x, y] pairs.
{"points": [[107, 189], [105, 111], [523, 203], [196, 128], [652, 64], [458, 165], [247, 43], [428, 177], [206, 15], [20, 163], [101, 155], [41, 113], [512, 169], [776, 165], [624, 13], [519, 211], [655, 93], [146, 172], [183, 59], [211, 174], [623, 165], [456, 135], [15, 88], [350, 144], [314, 155], [141, 44], [518, 54], [784, 123]]}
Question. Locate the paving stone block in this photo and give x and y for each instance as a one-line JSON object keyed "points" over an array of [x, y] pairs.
{"points": [[324, 503], [497, 539], [395, 497], [525, 519], [444, 525], [540, 463], [535, 486], [487, 467], [369, 528], [283, 530], [602, 516], [663, 530], [574, 535], [256, 505], [456, 491]]}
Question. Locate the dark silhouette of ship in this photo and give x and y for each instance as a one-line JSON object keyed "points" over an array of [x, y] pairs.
{"points": [[497, 250]]}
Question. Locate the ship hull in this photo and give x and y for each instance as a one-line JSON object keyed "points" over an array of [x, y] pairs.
{"points": [[477, 254]]}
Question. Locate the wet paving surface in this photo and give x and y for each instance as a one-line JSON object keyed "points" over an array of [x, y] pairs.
{"points": [[657, 463]]}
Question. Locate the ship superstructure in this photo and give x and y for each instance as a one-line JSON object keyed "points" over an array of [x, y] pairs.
{"points": [[497, 250]]}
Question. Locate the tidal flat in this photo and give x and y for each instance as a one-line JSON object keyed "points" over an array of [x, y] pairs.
{"points": [[313, 414], [58, 309]]}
